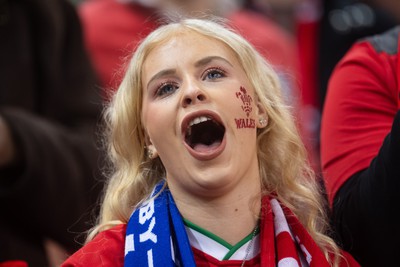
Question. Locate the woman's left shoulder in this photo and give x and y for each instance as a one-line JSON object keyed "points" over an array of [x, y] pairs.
{"points": [[105, 250]]}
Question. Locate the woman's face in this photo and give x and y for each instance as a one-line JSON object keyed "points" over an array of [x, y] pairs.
{"points": [[200, 114]]}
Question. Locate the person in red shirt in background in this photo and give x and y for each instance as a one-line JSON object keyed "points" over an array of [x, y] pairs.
{"points": [[359, 130], [113, 28], [360, 149]]}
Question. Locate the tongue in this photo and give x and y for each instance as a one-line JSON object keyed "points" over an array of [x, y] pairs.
{"points": [[205, 148]]}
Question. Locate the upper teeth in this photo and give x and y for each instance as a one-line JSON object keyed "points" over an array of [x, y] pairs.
{"points": [[199, 120]]}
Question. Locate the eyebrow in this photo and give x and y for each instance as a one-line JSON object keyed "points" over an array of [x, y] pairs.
{"points": [[206, 60], [161, 74], [199, 63]]}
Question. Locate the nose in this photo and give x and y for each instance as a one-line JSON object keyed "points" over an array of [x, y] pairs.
{"points": [[193, 95]]}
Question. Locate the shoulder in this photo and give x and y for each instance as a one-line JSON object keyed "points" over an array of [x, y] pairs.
{"points": [[386, 42], [373, 61], [377, 53], [106, 249], [373, 50]]}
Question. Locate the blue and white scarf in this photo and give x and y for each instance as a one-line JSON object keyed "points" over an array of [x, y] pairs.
{"points": [[156, 235]]}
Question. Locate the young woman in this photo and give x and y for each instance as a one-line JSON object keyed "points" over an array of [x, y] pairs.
{"points": [[209, 169]]}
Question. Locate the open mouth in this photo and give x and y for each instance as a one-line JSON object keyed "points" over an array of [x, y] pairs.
{"points": [[204, 133]]}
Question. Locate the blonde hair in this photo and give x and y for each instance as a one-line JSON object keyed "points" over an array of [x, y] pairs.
{"points": [[284, 167]]}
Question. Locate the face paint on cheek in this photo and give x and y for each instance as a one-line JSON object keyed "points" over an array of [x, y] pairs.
{"points": [[245, 123], [246, 101]]}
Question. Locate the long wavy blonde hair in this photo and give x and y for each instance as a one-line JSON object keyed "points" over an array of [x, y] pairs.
{"points": [[284, 167]]}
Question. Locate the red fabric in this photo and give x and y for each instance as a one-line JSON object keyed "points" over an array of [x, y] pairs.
{"points": [[284, 247], [307, 43], [307, 39], [15, 263], [361, 103], [204, 260], [398, 77], [112, 30], [107, 248]]}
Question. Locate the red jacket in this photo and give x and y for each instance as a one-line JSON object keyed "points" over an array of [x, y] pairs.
{"points": [[362, 100]]}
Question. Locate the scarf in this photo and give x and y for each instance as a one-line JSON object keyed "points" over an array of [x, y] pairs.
{"points": [[156, 236]]}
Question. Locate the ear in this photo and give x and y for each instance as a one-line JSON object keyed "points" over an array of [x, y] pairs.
{"points": [[150, 148], [262, 116]]}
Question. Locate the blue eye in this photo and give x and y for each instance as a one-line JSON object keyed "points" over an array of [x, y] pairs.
{"points": [[166, 88], [214, 73]]}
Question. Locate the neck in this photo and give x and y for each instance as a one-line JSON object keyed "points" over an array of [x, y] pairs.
{"points": [[231, 216]]}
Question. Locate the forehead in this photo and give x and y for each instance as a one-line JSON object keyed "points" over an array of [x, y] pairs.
{"points": [[188, 45]]}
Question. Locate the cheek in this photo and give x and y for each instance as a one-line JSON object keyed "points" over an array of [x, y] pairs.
{"points": [[151, 120], [245, 101], [159, 121]]}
